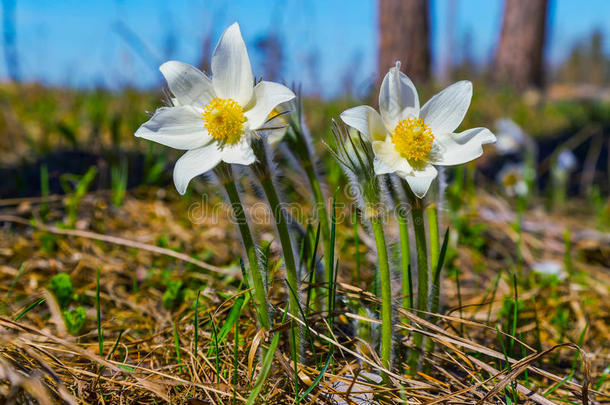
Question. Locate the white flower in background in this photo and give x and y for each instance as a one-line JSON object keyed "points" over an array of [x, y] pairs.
{"points": [[511, 137], [408, 140], [549, 268], [512, 178], [566, 161], [277, 123], [213, 119]]}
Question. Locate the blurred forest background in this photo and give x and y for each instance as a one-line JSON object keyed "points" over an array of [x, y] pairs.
{"points": [[77, 79]]}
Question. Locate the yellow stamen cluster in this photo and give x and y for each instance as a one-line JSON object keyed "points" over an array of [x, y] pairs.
{"points": [[510, 179], [413, 139], [224, 119]]}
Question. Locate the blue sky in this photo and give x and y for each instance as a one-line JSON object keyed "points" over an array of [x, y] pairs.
{"points": [[326, 42]]}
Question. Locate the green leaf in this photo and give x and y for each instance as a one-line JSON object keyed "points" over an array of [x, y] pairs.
{"points": [[173, 295], [229, 323], [62, 288], [75, 320]]}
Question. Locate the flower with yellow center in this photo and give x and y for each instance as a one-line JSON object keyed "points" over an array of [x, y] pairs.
{"points": [[410, 141], [224, 120], [413, 139], [213, 119], [512, 178]]}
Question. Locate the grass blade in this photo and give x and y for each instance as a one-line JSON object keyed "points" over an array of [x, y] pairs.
{"points": [[216, 348], [196, 324], [100, 334], [177, 343], [15, 279], [229, 323], [315, 382], [28, 308], [265, 367]]}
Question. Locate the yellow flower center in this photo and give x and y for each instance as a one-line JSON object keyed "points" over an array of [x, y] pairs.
{"points": [[224, 119], [510, 179], [413, 139]]}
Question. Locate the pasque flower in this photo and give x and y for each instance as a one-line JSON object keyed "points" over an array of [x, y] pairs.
{"points": [[213, 119], [512, 177], [410, 141], [511, 138]]}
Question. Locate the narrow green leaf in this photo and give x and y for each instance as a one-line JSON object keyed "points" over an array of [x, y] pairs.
{"points": [[28, 308], [100, 334], [265, 367], [228, 325]]}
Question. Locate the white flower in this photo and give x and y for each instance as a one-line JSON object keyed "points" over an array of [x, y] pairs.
{"points": [[549, 268], [566, 160], [213, 119], [512, 177], [510, 137], [408, 140]]}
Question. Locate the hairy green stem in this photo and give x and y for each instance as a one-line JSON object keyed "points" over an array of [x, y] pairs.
{"points": [[303, 154], [432, 214], [405, 261], [265, 177], [386, 291], [282, 230], [356, 271], [225, 174], [417, 213]]}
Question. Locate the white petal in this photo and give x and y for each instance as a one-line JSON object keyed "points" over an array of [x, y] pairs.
{"points": [[455, 149], [176, 127], [398, 99], [189, 85], [420, 180], [267, 96], [231, 70], [193, 163], [241, 153], [366, 120], [275, 136], [445, 111], [381, 168], [387, 159]]}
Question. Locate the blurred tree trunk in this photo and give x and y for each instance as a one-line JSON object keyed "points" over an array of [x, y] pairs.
{"points": [[404, 35], [519, 59]]}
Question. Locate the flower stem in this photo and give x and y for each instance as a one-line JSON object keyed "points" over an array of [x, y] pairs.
{"points": [[417, 213], [520, 208], [435, 292], [356, 271], [432, 213], [261, 169], [225, 174], [386, 291], [405, 261], [302, 152]]}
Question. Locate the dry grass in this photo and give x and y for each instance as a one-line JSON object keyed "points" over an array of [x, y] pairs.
{"points": [[149, 353]]}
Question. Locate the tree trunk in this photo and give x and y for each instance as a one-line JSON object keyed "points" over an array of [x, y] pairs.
{"points": [[519, 59], [404, 36]]}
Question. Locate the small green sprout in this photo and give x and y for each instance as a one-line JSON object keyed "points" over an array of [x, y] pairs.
{"points": [[76, 187], [62, 288], [173, 295], [75, 319]]}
